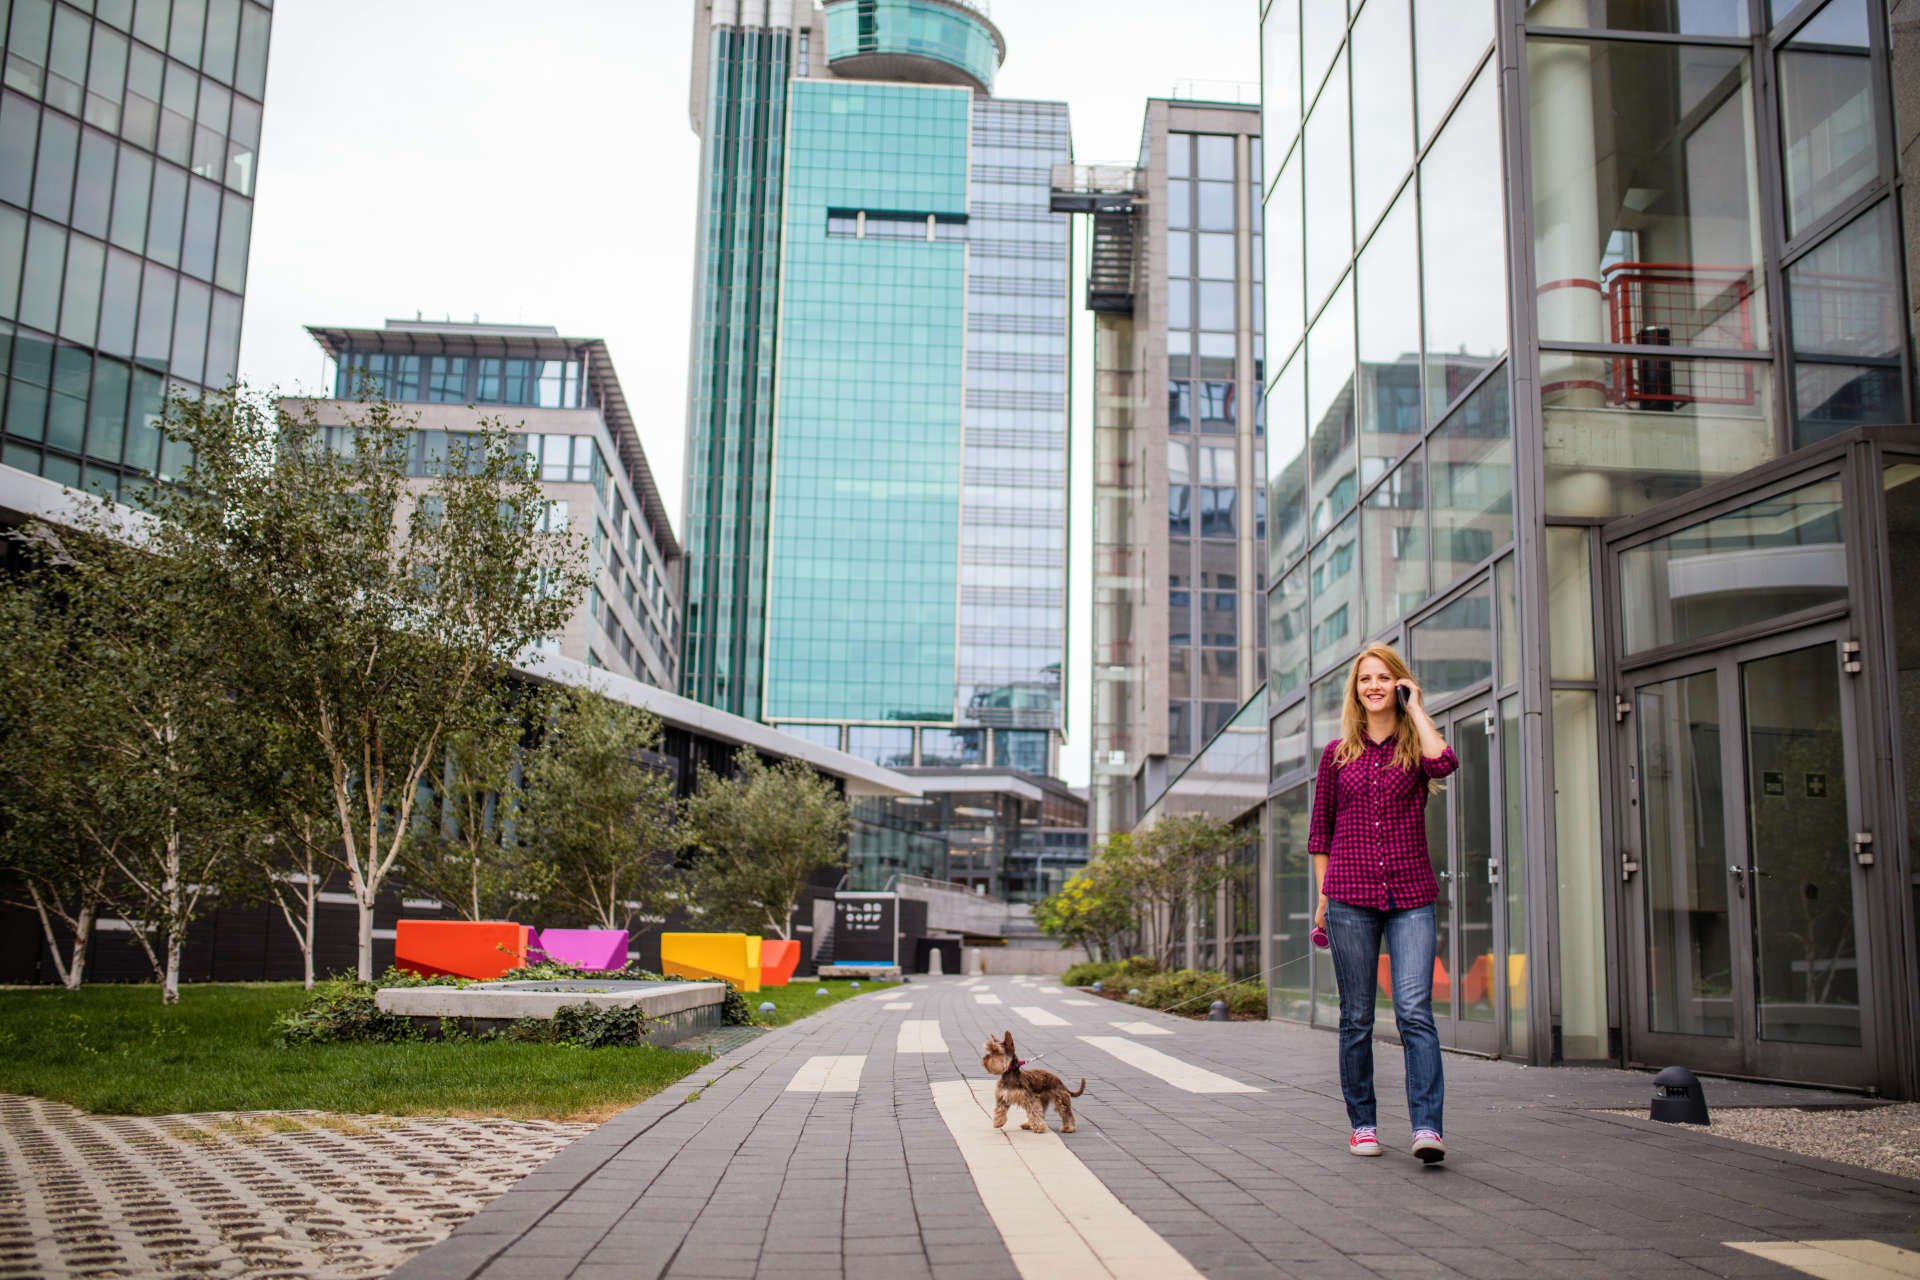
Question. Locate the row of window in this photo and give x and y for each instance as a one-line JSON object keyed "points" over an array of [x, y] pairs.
{"points": [[544, 384], [81, 406]]}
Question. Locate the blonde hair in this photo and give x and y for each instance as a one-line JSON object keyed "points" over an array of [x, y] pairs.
{"points": [[1353, 715]]}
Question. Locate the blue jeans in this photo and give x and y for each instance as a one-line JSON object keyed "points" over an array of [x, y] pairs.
{"points": [[1354, 934]]}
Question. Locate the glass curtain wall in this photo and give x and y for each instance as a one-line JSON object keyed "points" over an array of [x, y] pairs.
{"points": [[129, 147], [1013, 566], [730, 410], [1390, 462]]}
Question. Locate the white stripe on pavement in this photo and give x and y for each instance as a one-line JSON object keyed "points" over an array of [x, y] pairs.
{"points": [[1181, 1075], [1057, 1219], [1140, 1029], [986, 997], [918, 1036], [1040, 1017], [898, 1004], [828, 1074], [1836, 1259], [1084, 1004]]}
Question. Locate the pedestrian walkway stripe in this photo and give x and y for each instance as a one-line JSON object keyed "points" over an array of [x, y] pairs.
{"points": [[1084, 1004], [1837, 1259], [1040, 1017], [1141, 1029], [829, 1073], [1057, 1219], [1181, 1075], [898, 1004], [920, 1036], [986, 997]]}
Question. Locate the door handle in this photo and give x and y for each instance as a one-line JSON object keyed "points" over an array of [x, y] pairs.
{"points": [[1739, 874]]}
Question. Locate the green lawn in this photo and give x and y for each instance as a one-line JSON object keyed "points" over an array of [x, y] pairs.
{"points": [[117, 1050], [797, 999]]}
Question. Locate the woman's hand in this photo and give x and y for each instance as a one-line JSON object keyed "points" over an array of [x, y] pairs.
{"points": [[1428, 733], [1320, 913], [1415, 701]]}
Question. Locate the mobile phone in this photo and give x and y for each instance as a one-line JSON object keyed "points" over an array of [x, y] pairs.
{"points": [[1401, 693]]}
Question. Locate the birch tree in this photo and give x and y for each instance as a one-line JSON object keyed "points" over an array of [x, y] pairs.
{"points": [[377, 610], [599, 813], [761, 834]]}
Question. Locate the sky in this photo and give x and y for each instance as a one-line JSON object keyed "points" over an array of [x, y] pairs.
{"points": [[525, 163]]}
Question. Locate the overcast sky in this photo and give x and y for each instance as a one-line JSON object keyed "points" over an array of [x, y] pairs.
{"points": [[534, 164]]}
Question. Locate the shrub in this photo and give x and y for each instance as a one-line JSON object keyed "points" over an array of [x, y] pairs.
{"points": [[342, 1010], [584, 1026], [1192, 991], [1133, 970]]}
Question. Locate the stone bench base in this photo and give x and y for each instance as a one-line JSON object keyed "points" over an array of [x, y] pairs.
{"points": [[678, 1009]]}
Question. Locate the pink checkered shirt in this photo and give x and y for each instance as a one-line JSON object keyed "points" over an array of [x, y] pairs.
{"points": [[1369, 818]]}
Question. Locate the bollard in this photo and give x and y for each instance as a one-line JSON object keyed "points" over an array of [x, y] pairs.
{"points": [[855, 987], [1217, 1012], [822, 991], [766, 1006], [1678, 1098], [1133, 993], [1096, 985]]}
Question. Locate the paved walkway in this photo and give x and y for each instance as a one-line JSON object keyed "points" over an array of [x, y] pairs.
{"points": [[856, 1142]]}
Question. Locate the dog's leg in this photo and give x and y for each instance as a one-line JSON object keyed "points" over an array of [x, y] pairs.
{"points": [[1064, 1104], [1036, 1115], [999, 1112]]}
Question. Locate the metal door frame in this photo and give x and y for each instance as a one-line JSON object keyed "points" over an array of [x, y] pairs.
{"points": [[1478, 713]]}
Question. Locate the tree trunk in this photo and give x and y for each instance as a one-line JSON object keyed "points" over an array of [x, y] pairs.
{"points": [[82, 935], [60, 967], [363, 899], [306, 941], [170, 981]]}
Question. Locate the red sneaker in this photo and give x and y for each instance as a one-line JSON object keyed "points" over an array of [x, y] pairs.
{"points": [[1364, 1142]]}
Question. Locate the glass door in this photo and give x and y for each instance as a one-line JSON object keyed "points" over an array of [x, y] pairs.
{"points": [[1469, 977], [1742, 884]]}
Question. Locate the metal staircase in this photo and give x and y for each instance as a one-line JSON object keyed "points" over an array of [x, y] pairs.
{"points": [[1111, 193]]}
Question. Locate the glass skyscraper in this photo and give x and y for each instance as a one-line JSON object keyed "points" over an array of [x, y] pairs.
{"points": [[129, 140], [877, 440], [1591, 387]]}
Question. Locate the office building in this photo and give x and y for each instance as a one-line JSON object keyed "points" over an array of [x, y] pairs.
{"points": [[129, 147], [877, 438], [1179, 516], [1591, 387], [1005, 835], [563, 402]]}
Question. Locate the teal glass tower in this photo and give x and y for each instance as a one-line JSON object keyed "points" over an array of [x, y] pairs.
{"points": [[877, 436]]}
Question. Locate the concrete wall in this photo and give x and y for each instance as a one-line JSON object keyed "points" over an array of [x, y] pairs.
{"points": [[1048, 962]]}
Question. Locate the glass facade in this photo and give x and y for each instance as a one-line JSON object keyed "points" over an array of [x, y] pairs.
{"points": [[128, 153], [730, 398], [1012, 840], [864, 567], [949, 32], [1692, 232]]}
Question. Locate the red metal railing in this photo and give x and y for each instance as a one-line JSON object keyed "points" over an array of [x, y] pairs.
{"points": [[1679, 304]]}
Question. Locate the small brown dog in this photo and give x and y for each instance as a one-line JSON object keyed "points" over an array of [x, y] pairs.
{"points": [[1028, 1088]]}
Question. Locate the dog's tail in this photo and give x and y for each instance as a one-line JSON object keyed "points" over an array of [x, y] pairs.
{"points": [[1074, 1093]]}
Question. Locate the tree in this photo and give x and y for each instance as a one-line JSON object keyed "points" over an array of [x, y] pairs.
{"points": [[761, 835], [141, 753], [602, 817], [1092, 909], [469, 851], [377, 615], [1168, 867]]}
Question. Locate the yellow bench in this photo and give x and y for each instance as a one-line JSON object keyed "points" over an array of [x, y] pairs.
{"points": [[734, 957]]}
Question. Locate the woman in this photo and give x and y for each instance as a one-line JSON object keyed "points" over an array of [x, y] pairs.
{"points": [[1368, 838]]}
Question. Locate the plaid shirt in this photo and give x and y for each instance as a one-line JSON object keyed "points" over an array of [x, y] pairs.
{"points": [[1369, 818]]}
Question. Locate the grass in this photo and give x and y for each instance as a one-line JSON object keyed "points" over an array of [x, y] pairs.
{"points": [[117, 1050], [797, 999]]}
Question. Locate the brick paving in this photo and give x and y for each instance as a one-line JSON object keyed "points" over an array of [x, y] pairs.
{"points": [[733, 1174]]}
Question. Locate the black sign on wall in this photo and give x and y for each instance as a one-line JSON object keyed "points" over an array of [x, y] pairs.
{"points": [[866, 927]]}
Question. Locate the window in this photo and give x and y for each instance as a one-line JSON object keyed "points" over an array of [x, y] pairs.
{"points": [[1464, 297], [1388, 392], [1827, 127], [447, 380], [889, 746], [1383, 124], [1452, 648], [1328, 183], [1330, 410], [1470, 483], [1394, 545], [1845, 302]]}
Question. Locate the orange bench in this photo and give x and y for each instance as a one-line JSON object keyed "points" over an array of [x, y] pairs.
{"points": [[460, 948], [778, 959]]}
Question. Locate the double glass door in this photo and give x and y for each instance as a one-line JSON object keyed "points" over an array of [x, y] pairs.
{"points": [[1743, 888]]}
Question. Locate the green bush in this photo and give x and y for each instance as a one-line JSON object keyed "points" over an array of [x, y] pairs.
{"points": [[1132, 971], [1192, 991], [341, 1011]]}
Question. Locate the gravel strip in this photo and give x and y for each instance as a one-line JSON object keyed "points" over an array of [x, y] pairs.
{"points": [[279, 1194], [1885, 1139]]}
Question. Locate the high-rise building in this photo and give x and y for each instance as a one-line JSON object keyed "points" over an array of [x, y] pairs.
{"points": [[129, 143], [1179, 515], [877, 440], [1591, 387], [563, 402]]}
